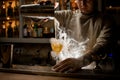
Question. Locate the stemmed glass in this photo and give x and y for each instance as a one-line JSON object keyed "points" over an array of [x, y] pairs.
{"points": [[56, 46]]}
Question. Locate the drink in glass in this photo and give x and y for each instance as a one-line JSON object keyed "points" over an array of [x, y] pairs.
{"points": [[56, 45]]}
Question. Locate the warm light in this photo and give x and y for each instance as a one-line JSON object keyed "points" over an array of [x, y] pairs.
{"points": [[3, 22], [110, 6], [8, 18], [3, 26], [3, 5]]}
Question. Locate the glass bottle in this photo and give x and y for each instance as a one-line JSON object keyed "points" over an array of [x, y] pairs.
{"points": [[10, 30], [35, 30], [10, 10], [3, 10], [3, 31], [25, 33], [16, 31], [52, 32], [46, 32], [16, 11], [40, 31]]}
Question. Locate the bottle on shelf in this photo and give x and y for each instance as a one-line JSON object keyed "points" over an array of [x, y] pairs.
{"points": [[40, 31], [46, 32], [3, 10], [16, 31], [35, 30], [25, 31], [10, 10], [3, 31], [16, 11], [29, 31], [45, 28], [10, 30], [52, 32]]}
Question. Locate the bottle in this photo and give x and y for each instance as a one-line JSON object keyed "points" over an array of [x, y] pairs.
{"points": [[46, 32], [40, 31], [10, 10], [35, 30], [25, 33], [10, 30], [16, 11], [29, 31], [52, 32], [16, 31], [3, 31], [3, 10]]}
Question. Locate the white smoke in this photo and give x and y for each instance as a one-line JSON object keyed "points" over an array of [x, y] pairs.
{"points": [[71, 47]]}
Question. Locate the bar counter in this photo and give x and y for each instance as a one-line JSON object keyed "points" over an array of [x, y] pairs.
{"points": [[46, 71]]}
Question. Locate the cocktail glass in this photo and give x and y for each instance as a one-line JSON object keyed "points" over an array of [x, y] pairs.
{"points": [[56, 46]]}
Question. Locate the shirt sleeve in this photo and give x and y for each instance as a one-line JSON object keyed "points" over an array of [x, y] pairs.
{"points": [[106, 39], [63, 16]]}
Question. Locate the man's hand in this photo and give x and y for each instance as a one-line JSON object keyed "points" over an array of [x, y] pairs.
{"points": [[68, 65], [73, 64]]}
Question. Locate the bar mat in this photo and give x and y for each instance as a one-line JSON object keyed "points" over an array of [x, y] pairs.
{"points": [[35, 67]]}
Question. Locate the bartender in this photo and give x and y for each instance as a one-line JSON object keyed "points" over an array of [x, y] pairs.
{"points": [[86, 23]]}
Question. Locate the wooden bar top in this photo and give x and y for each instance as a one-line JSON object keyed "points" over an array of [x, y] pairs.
{"points": [[46, 71]]}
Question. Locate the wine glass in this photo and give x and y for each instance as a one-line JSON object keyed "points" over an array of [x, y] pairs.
{"points": [[56, 46]]}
